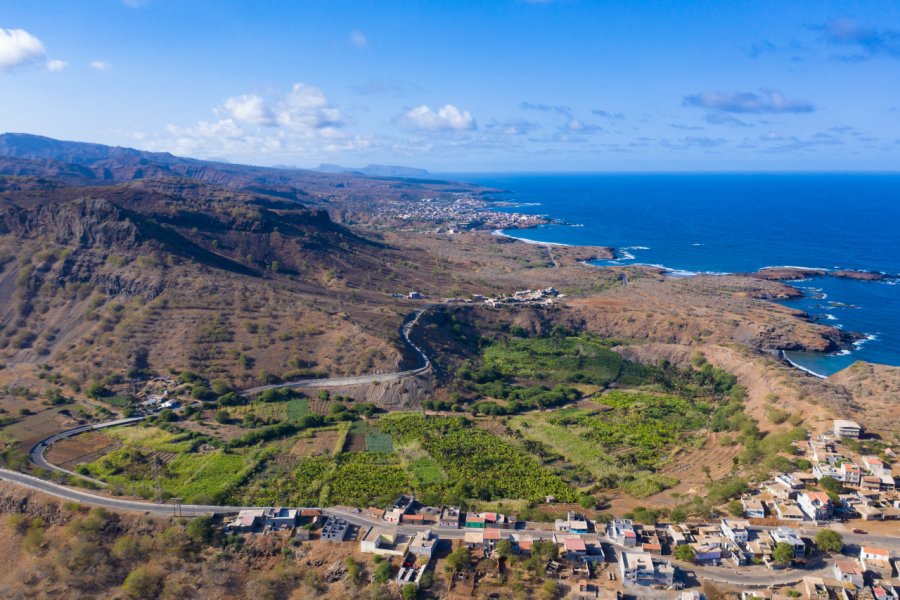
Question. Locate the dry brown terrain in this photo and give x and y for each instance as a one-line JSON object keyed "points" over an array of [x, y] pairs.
{"points": [[876, 395]]}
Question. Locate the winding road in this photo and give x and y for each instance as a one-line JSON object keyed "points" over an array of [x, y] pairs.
{"points": [[745, 576], [405, 330]]}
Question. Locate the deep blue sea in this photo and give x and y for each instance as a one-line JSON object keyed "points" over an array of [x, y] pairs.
{"points": [[724, 223]]}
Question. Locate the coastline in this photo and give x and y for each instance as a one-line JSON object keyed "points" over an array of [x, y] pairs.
{"points": [[501, 233]]}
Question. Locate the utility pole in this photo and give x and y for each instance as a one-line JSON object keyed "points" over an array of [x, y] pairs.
{"points": [[157, 466]]}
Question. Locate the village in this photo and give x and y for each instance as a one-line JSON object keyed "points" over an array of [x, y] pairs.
{"points": [[454, 213], [782, 544]]}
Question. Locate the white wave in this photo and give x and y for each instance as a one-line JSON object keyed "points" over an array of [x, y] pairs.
{"points": [[696, 244], [869, 337], [796, 267], [635, 248], [626, 255], [841, 353], [500, 233], [830, 317]]}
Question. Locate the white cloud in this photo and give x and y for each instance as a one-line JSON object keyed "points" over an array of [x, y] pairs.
{"points": [[100, 65], [249, 108], [446, 118], [56, 65], [300, 123], [18, 47], [359, 39]]}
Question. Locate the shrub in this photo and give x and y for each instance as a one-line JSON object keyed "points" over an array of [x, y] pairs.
{"points": [[143, 582]]}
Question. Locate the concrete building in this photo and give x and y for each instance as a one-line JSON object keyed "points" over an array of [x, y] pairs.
{"points": [[816, 505], [573, 523], [736, 530], [876, 560], [622, 532], [789, 480], [786, 535], [788, 511], [753, 508], [246, 521], [848, 571], [639, 568], [449, 517], [335, 530], [423, 544], [403, 505], [848, 429], [280, 518], [384, 541], [850, 474]]}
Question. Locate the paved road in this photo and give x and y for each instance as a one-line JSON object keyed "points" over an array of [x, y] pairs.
{"points": [[421, 357], [36, 454], [748, 576]]}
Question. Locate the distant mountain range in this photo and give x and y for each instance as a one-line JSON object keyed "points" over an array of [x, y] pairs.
{"points": [[376, 171]]}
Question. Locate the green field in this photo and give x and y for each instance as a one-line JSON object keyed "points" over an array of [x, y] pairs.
{"points": [[197, 477], [376, 441], [290, 410], [477, 464]]}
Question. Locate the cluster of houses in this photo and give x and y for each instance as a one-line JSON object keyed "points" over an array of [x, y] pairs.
{"points": [[870, 491], [871, 575], [639, 552], [528, 297]]}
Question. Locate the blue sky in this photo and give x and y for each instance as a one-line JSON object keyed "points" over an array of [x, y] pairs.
{"points": [[501, 85]]}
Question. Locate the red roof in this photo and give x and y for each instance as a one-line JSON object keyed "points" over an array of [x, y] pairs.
{"points": [[492, 534], [575, 544]]}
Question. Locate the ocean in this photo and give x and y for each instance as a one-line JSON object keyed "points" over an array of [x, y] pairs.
{"points": [[726, 223]]}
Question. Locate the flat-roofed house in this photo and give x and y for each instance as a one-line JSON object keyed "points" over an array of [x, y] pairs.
{"points": [[622, 532], [449, 517], [280, 518], [574, 548], [877, 560], [736, 530], [850, 473], [786, 535], [385, 542], [848, 429], [753, 508], [640, 568], [788, 511]]}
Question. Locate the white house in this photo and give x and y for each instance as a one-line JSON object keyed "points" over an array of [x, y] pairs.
{"points": [[816, 505], [736, 530]]}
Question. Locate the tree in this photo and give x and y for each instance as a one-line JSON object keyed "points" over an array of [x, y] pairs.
{"points": [[222, 416], [736, 508], [783, 553], [504, 549], [830, 484], [459, 558], [200, 529], [409, 591], [143, 582], [678, 514], [829, 540], [684, 552]]}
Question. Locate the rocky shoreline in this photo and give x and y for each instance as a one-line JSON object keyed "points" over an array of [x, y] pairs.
{"points": [[798, 273]]}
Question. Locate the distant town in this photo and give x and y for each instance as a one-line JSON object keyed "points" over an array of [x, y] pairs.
{"points": [[453, 213]]}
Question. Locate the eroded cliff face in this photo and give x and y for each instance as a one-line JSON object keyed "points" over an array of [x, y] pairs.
{"points": [[84, 223]]}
